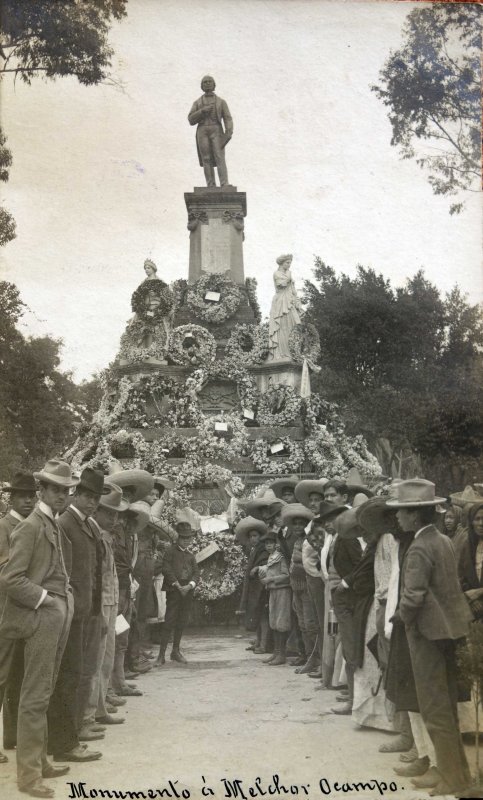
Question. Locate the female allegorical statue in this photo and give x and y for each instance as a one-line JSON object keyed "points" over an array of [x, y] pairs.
{"points": [[285, 312]]}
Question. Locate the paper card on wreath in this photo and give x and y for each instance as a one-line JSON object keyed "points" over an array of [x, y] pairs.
{"points": [[121, 624], [213, 297], [278, 447], [207, 551], [248, 414], [214, 525]]}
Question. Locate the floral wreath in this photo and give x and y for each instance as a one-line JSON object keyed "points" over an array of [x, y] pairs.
{"points": [[248, 344], [304, 343], [275, 465], [285, 399], [230, 298], [191, 345], [132, 352], [181, 411], [166, 300], [208, 445], [217, 579]]}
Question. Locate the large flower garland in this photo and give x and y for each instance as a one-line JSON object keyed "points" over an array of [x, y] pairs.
{"points": [[279, 405], [251, 287], [276, 465], [248, 344], [222, 574], [304, 344], [163, 295], [230, 298], [191, 345], [131, 348], [321, 449]]}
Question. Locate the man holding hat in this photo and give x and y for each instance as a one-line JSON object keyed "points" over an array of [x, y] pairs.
{"points": [[68, 702], [38, 608], [23, 494], [181, 575], [436, 615]]}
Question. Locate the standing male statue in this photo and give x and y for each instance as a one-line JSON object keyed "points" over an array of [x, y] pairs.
{"points": [[208, 112]]}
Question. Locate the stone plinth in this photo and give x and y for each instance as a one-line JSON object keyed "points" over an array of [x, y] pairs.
{"points": [[271, 373], [216, 221]]}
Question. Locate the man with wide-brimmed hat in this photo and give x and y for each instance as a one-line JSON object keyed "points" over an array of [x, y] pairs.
{"points": [[68, 702], [181, 574], [434, 610], [250, 532], [23, 494], [284, 488], [37, 608]]}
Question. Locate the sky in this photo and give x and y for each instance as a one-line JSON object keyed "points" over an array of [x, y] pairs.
{"points": [[99, 173]]}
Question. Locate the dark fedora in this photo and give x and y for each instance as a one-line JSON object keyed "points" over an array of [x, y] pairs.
{"points": [[93, 480], [328, 511], [22, 482]]}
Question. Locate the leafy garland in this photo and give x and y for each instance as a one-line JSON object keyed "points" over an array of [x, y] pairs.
{"points": [[130, 347], [276, 465], [222, 574], [304, 343], [251, 288], [230, 298], [139, 297], [286, 400], [248, 344], [191, 345]]}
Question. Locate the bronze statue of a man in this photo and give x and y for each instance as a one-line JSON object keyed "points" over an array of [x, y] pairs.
{"points": [[210, 112]]}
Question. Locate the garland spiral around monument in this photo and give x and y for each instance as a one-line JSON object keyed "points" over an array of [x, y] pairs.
{"points": [[163, 294], [248, 344], [279, 406], [191, 345], [208, 311]]}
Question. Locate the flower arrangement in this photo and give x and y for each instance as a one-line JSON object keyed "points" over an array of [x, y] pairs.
{"points": [[321, 449], [264, 461], [279, 405], [251, 288], [248, 344], [173, 407], [222, 573], [355, 452], [208, 445], [230, 298], [179, 289], [132, 348], [316, 411], [191, 345], [304, 344], [152, 301]]}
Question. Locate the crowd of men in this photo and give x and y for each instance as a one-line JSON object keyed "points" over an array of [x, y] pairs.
{"points": [[391, 581], [77, 571], [347, 580]]}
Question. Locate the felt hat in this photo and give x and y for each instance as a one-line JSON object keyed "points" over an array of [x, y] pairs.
{"points": [[249, 524], [113, 499], [293, 510], [93, 480], [140, 480], [346, 524], [355, 483], [328, 511], [183, 527], [57, 472], [305, 488], [141, 512], [257, 505], [288, 482], [375, 516], [415, 493], [467, 497], [22, 481], [163, 482]]}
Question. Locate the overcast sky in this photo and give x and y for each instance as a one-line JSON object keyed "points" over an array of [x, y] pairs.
{"points": [[99, 174]]}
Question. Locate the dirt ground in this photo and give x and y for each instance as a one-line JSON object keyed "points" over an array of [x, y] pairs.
{"points": [[226, 715]]}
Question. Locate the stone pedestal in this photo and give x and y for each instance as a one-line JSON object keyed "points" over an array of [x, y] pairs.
{"points": [[215, 221], [272, 373]]}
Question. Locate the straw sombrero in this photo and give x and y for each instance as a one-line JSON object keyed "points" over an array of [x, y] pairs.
{"points": [[290, 481], [293, 510], [305, 488], [141, 481], [248, 524], [467, 497]]}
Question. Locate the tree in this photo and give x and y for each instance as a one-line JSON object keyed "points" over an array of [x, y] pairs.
{"points": [[53, 39], [432, 87]]}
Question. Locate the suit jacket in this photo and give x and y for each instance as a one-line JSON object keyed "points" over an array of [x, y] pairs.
{"points": [[86, 563], [431, 596], [7, 525], [179, 565], [32, 547], [222, 114], [347, 554]]}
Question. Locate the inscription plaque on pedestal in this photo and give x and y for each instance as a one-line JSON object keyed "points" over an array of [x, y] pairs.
{"points": [[215, 246]]}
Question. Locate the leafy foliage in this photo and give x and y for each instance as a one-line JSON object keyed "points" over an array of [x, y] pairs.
{"points": [[7, 223], [403, 364], [432, 87]]}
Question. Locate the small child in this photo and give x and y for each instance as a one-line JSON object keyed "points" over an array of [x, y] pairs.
{"points": [[274, 575]]}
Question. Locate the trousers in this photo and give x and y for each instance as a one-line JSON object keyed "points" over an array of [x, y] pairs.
{"points": [[435, 676], [177, 614], [316, 589], [125, 605], [42, 656], [96, 703], [11, 697], [92, 636], [63, 710], [209, 141]]}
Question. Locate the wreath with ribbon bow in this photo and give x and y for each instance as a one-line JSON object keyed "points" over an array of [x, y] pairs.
{"points": [[162, 292], [207, 310]]}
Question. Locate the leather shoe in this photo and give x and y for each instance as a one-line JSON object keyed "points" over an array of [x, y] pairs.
{"points": [[115, 700], [50, 771], [345, 709], [177, 656], [414, 768], [141, 667], [38, 789], [126, 691], [78, 754], [429, 780], [317, 674], [111, 709], [98, 728], [108, 720], [87, 735], [3, 758], [343, 697]]}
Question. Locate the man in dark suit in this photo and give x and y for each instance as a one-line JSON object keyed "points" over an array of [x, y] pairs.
{"points": [[436, 615], [209, 112], [67, 704], [37, 607], [181, 575], [23, 494]]}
